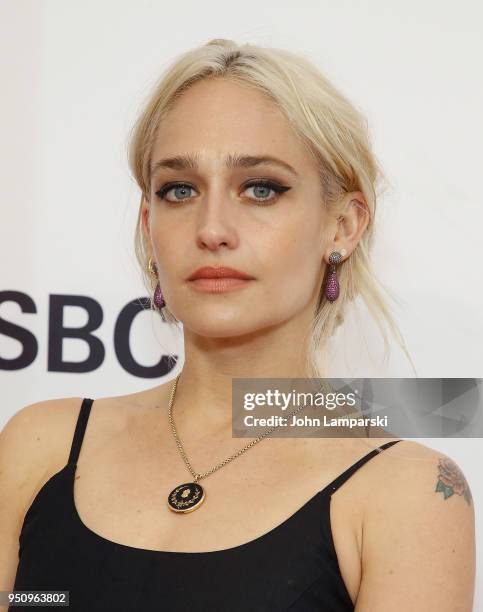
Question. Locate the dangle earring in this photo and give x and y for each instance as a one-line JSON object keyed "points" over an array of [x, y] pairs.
{"points": [[332, 285], [158, 298]]}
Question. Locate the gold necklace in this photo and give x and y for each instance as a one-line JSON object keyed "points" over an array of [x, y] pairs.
{"points": [[190, 495]]}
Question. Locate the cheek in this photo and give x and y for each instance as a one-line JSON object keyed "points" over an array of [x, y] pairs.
{"points": [[167, 240], [293, 259]]}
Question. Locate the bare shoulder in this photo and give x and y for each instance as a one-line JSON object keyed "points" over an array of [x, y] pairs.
{"points": [[34, 443], [36, 440], [44, 430], [39, 433], [418, 521], [414, 476], [419, 469]]}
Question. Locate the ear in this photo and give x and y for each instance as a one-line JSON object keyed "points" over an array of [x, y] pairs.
{"points": [[351, 222]]}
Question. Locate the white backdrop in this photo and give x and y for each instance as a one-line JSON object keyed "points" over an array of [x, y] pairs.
{"points": [[73, 76]]}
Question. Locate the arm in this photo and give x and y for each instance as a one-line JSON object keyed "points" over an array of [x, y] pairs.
{"points": [[418, 550]]}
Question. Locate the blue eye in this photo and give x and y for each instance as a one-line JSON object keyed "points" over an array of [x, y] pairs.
{"points": [[180, 188], [182, 191], [265, 186]]}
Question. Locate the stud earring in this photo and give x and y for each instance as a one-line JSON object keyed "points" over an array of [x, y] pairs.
{"points": [[332, 286], [158, 298]]}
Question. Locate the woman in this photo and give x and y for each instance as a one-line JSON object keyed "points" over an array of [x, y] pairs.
{"points": [[247, 159]]}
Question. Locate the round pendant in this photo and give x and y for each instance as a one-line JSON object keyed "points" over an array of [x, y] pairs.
{"points": [[186, 497]]}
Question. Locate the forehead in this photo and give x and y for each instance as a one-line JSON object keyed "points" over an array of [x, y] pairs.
{"points": [[220, 116]]}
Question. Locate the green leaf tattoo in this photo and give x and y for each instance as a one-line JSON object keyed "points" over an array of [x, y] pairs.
{"points": [[451, 480]]}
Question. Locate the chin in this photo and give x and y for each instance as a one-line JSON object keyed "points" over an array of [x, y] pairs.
{"points": [[221, 326]]}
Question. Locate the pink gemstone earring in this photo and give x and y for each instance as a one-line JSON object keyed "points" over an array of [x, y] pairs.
{"points": [[158, 298], [332, 285]]}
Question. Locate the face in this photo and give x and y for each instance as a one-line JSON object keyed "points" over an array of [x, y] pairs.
{"points": [[265, 219]]}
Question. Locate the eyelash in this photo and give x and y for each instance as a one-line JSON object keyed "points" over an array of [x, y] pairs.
{"points": [[279, 189]]}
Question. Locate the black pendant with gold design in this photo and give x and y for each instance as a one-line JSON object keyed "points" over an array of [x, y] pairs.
{"points": [[186, 497]]}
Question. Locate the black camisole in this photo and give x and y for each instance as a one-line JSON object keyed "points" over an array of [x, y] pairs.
{"points": [[293, 567]]}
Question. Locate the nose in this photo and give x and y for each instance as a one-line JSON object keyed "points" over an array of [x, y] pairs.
{"points": [[215, 225]]}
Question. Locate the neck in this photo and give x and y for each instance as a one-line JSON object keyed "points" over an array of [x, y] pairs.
{"points": [[203, 397]]}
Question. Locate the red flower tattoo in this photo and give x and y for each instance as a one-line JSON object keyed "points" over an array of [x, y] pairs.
{"points": [[451, 480]]}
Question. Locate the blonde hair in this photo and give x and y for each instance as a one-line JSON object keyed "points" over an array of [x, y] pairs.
{"points": [[333, 131]]}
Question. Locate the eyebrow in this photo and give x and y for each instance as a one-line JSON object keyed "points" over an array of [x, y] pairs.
{"points": [[232, 161]]}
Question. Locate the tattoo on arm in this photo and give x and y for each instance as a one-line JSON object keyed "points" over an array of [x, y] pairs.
{"points": [[451, 480]]}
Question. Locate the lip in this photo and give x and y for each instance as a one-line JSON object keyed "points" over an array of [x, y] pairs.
{"points": [[211, 273], [219, 285]]}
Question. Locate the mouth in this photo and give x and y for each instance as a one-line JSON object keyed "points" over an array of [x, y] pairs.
{"points": [[220, 272]]}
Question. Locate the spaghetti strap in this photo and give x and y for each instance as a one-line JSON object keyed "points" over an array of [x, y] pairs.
{"points": [[80, 428], [339, 481]]}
